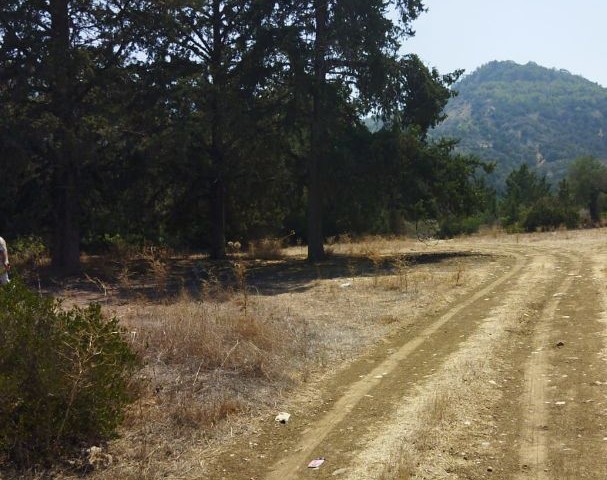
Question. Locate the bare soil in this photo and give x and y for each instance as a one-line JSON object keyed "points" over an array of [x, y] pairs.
{"points": [[491, 363]]}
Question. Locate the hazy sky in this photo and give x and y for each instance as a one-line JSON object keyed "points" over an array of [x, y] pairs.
{"points": [[466, 34]]}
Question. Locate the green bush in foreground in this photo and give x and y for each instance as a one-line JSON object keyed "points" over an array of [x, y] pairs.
{"points": [[64, 377]]}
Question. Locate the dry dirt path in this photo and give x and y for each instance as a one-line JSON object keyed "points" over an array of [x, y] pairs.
{"points": [[507, 382]]}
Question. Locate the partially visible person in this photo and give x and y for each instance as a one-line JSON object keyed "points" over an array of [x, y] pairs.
{"points": [[5, 266]]}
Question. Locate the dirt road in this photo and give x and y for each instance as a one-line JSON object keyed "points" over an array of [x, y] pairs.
{"points": [[507, 381]]}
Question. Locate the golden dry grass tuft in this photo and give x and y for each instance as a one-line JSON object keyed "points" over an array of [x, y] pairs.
{"points": [[401, 466], [267, 249], [206, 363]]}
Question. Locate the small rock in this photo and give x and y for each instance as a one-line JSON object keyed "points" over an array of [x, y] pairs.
{"points": [[489, 469], [339, 471], [283, 417], [560, 344]]}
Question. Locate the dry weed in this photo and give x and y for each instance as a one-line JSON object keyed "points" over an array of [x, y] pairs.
{"points": [[205, 336], [401, 466], [205, 363], [401, 266], [458, 275], [266, 249], [269, 248], [240, 273], [124, 279], [398, 279], [212, 288], [156, 259], [100, 284]]}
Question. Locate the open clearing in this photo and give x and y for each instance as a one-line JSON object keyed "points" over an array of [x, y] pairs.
{"points": [[477, 358]]}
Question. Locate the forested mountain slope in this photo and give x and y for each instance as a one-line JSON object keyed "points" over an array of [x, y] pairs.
{"points": [[513, 114]]}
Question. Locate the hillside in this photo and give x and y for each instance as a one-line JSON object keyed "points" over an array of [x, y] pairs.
{"points": [[514, 114]]}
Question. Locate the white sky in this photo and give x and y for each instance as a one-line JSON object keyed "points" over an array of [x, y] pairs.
{"points": [[558, 34]]}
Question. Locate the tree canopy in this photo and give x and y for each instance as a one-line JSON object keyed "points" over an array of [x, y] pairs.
{"points": [[195, 122]]}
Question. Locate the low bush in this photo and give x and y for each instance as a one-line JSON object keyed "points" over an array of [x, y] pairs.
{"points": [[28, 252], [547, 213], [453, 227], [64, 377]]}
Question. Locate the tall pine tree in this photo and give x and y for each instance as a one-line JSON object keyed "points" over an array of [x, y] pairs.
{"points": [[339, 51], [59, 59]]}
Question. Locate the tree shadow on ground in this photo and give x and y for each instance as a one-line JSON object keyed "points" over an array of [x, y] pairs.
{"points": [[298, 275], [198, 277]]}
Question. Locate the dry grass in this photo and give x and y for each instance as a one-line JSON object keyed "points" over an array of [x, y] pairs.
{"points": [[267, 249], [217, 362], [204, 336], [401, 466], [436, 422], [205, 363]]}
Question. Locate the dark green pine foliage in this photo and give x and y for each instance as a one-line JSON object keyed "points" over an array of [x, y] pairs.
{"points": [[195, 122], [60, 60], [220, 139], [524, 187], [587, 178], [337, 73], [393, 172], [528, 203]]}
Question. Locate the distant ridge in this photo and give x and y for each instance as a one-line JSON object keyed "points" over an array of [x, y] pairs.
{"points": [[514, 114]]}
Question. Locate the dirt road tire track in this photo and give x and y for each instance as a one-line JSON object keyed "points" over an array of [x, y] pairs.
{"points": [[534, 436], [308, 446], [463, 441], [577, 392], [562, 400], [537, 406]]}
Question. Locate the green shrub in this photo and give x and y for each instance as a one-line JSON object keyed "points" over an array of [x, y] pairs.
{"points": [[27, 250], [452, 227], [548, 213], [64, 377]]}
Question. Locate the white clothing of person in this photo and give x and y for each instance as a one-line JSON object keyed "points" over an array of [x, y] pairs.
{"points": [[5, 265]]}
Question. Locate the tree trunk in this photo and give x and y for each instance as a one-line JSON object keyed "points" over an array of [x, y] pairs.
{"points": [[317, 139], [396, 223], [593, 208], [218, 219], [65, 250], [218, 187], [315, 236]]}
